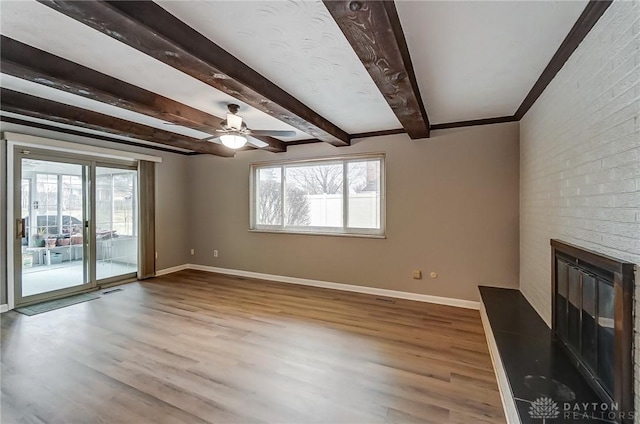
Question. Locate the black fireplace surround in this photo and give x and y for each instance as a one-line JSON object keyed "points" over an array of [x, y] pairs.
{"points": [[593, 318]]}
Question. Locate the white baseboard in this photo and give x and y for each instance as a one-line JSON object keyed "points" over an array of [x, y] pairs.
{"points": [[468, 304], [4, 308], [172, 269], [508, 403], [460, 303]]}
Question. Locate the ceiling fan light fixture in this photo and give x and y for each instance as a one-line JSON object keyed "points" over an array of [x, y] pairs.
{"points": [[233, 141]]}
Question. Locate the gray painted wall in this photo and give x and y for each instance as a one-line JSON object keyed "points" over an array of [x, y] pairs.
{"points": [[171, 200], [452, 208]]}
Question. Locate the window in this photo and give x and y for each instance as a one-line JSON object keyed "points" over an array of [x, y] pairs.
{"points": [[321, 196]]}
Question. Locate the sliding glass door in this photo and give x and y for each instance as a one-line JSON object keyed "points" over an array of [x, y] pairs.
{"points": [[116, 222], [52, 240], [76, 224]]}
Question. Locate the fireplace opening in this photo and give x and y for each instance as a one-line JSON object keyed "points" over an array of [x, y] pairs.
{"points": [[584, 318], [593, 318]]}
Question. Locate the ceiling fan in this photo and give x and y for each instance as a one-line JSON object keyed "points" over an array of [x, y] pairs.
{"points": [[235, 133]]}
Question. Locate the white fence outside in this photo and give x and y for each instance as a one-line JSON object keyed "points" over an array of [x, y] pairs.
{"points": [[326, 210]]}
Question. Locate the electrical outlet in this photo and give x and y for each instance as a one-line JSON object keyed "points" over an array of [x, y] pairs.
{"points": [[193, 251], [417, 274], [215, 253], [156, 255]]}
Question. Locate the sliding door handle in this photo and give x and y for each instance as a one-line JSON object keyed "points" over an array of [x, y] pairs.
{"points": [[21, 228]]}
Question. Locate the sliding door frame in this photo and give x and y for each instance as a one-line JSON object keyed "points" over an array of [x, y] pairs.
{"points": [[84, 146], [88, 284], [89, 164]]}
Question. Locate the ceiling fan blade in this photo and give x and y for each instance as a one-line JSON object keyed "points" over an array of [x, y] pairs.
{"points": [[211, 138], [274, 133], [257, 143]]}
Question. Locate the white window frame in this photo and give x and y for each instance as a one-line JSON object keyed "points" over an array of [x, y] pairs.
{"points": [[345, 230]]}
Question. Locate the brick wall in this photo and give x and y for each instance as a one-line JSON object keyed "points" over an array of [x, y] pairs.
{"points": [[580, 159]]}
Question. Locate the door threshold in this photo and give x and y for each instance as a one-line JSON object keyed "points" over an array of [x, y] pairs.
{"points": [[117, 283], [59, 296]]}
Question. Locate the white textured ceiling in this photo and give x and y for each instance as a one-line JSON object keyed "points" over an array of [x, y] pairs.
{"points": [[479, 59], [299, 47], [473, 59], [40, 26]]}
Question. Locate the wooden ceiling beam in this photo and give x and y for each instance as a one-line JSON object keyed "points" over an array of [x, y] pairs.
{"points": [[474, 122], [374, 31], [31, 64], [37, 107], [147, 27], [83, 133]]}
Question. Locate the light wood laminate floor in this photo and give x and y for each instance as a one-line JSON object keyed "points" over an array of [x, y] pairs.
{"points": [[195, 347]]}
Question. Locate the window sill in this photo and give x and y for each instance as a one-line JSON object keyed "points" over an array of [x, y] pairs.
{"points": [[311, 233]]}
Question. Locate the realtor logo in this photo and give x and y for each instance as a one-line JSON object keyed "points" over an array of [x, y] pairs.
{"points": [[544, 408]]}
